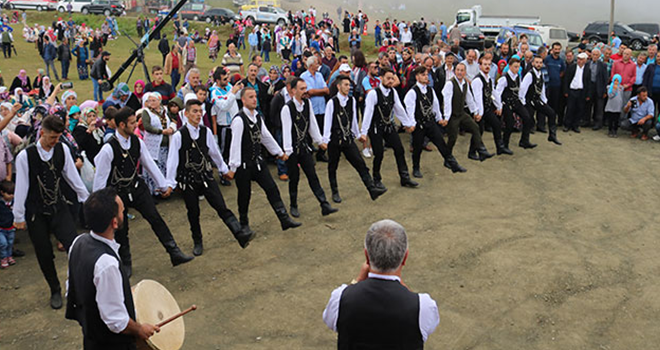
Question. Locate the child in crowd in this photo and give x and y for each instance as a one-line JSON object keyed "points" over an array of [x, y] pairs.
{"points": [[7, 230], [614, 105], [109, 116]]}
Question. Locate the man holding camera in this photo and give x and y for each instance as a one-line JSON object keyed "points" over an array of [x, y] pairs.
{"points": [[642, 110]]}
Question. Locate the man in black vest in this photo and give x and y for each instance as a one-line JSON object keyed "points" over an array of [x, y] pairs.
{"points": [[532, 95], [507, 101], [117, 166], [189, 166], [340, 128], [249, 135], [381, 106], [422, 103], [41, 170], [356, 312], [299, 129], [482, 93], [99, 293], [457, 98]]}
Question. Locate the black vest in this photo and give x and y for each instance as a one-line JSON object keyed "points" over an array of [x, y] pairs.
{"points": [[300, 139], [535, 90], [510, 94], [342, 119], [382, 118], [194, 167], [251, 139], [81, 299], [124, 167], [424, 107], [458, 98], [45, 192], [379, 314], [487, 92]]}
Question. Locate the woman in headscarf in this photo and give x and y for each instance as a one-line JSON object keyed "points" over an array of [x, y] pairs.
{"points": [[89, 133], [22, 98], [21, 81], [138, 89], [38, 80], [70, 99], [213, 46], [274, 80], [286, 72], [158, 128], [82, 54], [46, 88]]}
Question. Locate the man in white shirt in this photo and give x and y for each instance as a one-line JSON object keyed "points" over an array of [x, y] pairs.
{"points": [[577, 92], [249, 134], [299, 131], [98, 291], [39, 203], [189, 166], [356, 312], [406, 35], [507, 102], [532, 95]]}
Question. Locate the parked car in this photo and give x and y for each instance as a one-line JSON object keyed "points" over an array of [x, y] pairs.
{"points": [[550, 33], [76, 5], [39, 5], [223, 15], [192, 11], [472, 37], [104, 7], [534, 39], [651, 28], [598, 32], [265, 14]]}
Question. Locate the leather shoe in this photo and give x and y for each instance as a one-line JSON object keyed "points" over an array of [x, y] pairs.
{"points": [[56, 300], [198, 248], [379, 184], [483, 154], [417, 173], [246, 236], [225, 182], [454, 166], [288, 223], [177, 257], [576, 129], [565, 129], [527, 145], [376, 192], [407, 182], [473, 156], [335, 197], [542, 129], [326, 209], [504, 150], [294, 212], [321, 157]]}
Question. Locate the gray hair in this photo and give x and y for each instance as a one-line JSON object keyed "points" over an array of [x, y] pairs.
{"points": [[386, 245], [311, 60]]}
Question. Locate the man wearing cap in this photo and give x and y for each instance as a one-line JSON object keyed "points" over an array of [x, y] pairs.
{"points": [[577, 92], [99, 73]]}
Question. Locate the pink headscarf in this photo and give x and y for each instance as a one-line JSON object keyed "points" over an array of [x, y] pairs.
{"points": [[22, 75], [141, 83]]}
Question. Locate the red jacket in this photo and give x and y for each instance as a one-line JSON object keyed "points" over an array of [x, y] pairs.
{"points": [[628, 72]]}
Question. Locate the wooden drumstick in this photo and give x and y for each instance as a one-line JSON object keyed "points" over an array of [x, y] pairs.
{"points": [[192, 308]]}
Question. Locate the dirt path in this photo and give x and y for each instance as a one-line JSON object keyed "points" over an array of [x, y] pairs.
{"points": [[554, 248]]}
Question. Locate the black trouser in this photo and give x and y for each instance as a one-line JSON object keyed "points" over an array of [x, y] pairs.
{"points": [[224, 140], [432, 131], [595, 109], [634, 128], [509, 121], [575, 105], [213, 195], [491, 119], [461, 120], [258, 172], [306, 162], [612, 120], [320, 120], [40, 226], [543, 110], [142, 202], [89, 344], [352, 154], [378, 138], [6, 50]]}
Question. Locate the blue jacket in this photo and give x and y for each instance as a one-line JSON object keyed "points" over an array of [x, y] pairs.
{"points": [[50, 53]]}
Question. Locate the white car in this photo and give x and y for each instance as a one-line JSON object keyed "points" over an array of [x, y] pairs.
{"points": [[265, 14], [76, 5], [551, 34], [39, 5]]}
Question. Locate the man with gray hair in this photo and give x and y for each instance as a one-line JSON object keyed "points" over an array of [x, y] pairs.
{"points": [[356, 312], [317, 90]]}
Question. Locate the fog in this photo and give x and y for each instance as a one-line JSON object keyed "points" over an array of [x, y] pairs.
{"points": [[571, 14]]}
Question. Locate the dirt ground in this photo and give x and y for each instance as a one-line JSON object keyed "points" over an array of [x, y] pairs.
{"points": [[553, 248]]}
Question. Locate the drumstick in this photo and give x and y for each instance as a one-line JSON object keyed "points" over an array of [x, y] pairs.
{"points": [[192, 308]]}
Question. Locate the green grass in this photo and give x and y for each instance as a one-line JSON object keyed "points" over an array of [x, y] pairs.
{"points": [[28, 57]]}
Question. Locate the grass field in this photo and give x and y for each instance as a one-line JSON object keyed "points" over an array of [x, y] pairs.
{"points": [[121, 48]]}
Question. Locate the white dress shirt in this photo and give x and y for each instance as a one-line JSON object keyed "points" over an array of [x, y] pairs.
{"points": [[312, 129], [471, 69], [104, 159], [329, 111], [477, 92], [576, 83], [69, 173], [527, 83], [237, 137], [175, 146], [501, 85], [109, 287], [448, 95], [411, 103], [406, 36], [372, 100], [428, 309]]}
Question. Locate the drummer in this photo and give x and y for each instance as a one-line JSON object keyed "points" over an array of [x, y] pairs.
{"points": [[98, 293]]}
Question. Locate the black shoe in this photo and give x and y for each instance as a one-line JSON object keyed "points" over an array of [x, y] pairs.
{"points": [[326, 209], [198, 248], [473, 156], [225, 182], [17, 253], [407, 182], [56, 300], [177, 257], [483, 153], [321, 157], [576, 129], [565, 129], [454, 166], [527, 145], [335, 197], [504, 150], [541, 129], [553, 138], [597, 127], [417, 173], [288, 223], [246, 236], [376, 192], [380, 185], [294, 212]]}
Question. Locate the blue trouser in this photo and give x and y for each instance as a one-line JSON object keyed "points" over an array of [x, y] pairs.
{"points": [[379, 40], [51, 64], [6, 242], [265, 55], [65, 70], [657, 127], [176, 76], [98, 94], [281, 165]]}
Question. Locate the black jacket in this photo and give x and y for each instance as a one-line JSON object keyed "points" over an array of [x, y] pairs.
{"points": [[647, 79], [276, 105], [570, 74], [600, 87], [164, 46], [98, 70]]}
